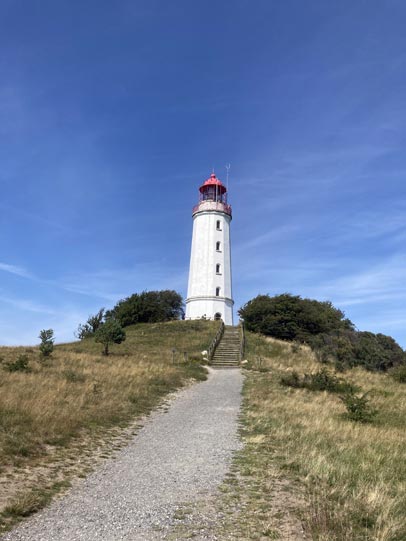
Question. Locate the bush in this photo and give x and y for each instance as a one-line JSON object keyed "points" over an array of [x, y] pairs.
{"points": [[358, 407], [91, 325], [110, 332], [148, 307], [289, 317], [324, 328], [292, 380], [399, 373], [349, 348], [322, 380], [19, 365], [295, 347], [47, 342]]}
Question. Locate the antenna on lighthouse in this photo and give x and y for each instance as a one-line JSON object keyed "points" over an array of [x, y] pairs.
{"points": [[228, 166]]}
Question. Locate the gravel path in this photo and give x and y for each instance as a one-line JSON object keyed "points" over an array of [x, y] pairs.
{"points": [[179, 456]]}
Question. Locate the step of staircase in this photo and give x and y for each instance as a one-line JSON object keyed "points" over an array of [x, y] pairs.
{"points": [[227, 354]]}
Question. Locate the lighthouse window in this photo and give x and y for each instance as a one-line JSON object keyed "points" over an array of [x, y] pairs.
{"points": [[218, 246], [218, 225], [218, 268], [217, 292]]}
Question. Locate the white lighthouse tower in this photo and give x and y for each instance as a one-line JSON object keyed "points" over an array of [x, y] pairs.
{"points": [[209, 291]]}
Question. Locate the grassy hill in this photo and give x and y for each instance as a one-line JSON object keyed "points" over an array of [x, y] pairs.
{"points": [[52, 413], [305, 459], [305, 462]]}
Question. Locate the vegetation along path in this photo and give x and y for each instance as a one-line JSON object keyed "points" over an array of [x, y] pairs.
{"points": [[180, 455]]}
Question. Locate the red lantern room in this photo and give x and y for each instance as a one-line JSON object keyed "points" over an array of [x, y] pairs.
{"points": [[213, 190], [213, 196]]}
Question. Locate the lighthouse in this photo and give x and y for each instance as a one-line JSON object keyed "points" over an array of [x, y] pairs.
{"points": [[209, 290]]}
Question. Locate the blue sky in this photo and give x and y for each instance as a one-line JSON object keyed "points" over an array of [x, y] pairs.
{"points": [[113, 113]]}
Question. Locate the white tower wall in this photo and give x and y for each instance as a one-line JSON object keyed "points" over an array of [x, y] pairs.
{"points": [[204, 299]]}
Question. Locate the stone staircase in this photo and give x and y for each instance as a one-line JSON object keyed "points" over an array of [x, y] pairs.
{"points": [[227, 353]]}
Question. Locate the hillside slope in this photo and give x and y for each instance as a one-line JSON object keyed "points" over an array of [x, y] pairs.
{"points": [[352, 476], [56, 417], [305, 465]]}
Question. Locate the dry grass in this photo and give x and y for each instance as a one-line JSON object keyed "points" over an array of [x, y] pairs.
{"points": [[79, 392], [349, 479]]}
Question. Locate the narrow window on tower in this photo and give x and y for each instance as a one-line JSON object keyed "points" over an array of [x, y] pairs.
{"points": [[218, 268], [218, 246], [218, 225], [217, 292]]}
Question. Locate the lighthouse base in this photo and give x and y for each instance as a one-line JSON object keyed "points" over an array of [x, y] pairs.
{"points": [[210, 308]]}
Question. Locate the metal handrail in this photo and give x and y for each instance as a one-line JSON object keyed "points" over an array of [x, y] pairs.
{"points": [[242, 339], [215, 342]]}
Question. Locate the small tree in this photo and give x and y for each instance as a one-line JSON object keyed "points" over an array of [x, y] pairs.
{"points": [[358, 407], [91, 325], [110, 332], [47, 342]]}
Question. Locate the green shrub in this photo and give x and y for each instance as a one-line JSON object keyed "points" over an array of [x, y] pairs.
{"points": [[291, 380], [348, 348], [323, 380], [110, 332], [399, 373], [148, 307], [19, 365], [295, 347], [289, 317], [90, 327], [325, 328], [358, 407], [46, 346]]}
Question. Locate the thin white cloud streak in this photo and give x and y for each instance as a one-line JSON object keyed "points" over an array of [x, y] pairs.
{"points": [[276, 234], [125, 281], [372, 225], [17, 271], [378, 284], [39, 219], [312, 167], [27, 305], [99, 284], [64, 321]]}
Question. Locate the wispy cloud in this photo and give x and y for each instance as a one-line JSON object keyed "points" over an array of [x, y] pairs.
{"points": [[112, 285], [14, 269], [381, 282], [37, 218], [381, 224], [27, 305], [276, 234]]}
